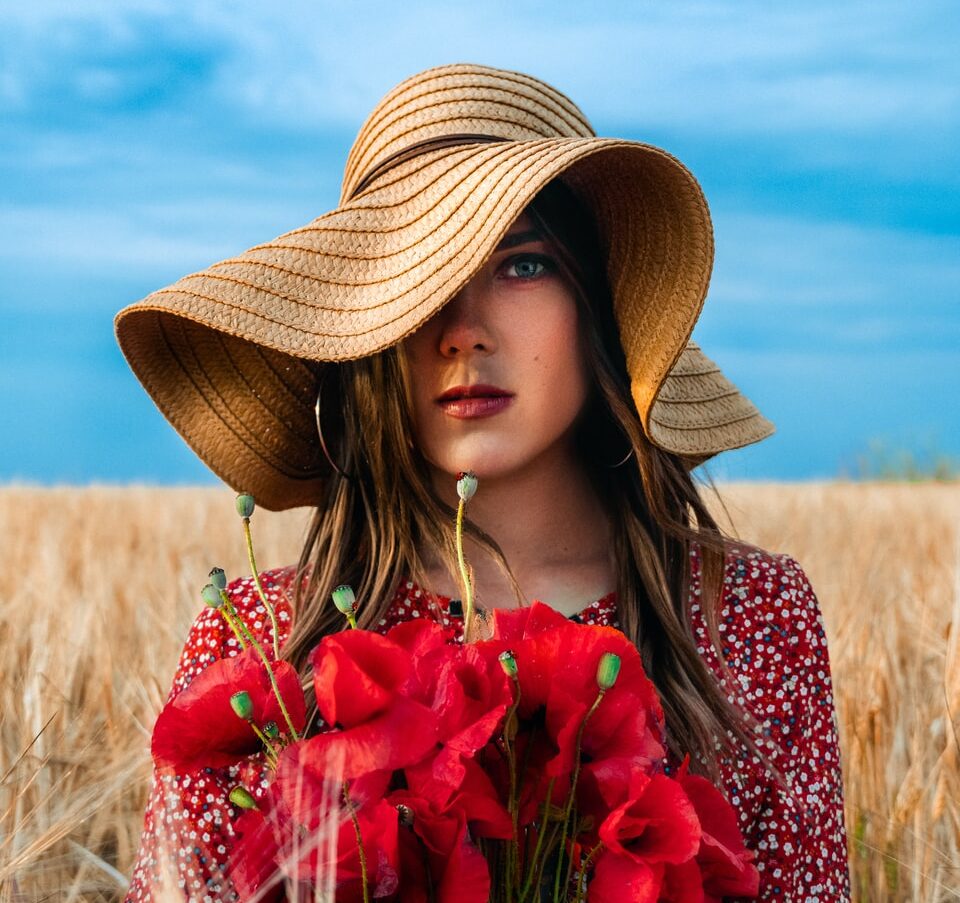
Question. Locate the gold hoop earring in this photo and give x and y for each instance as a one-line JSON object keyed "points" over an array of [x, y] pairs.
{"points": [[624, 461], [323, 444]]}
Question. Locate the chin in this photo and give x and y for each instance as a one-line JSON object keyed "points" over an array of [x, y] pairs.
{"points": [[487, 461]]}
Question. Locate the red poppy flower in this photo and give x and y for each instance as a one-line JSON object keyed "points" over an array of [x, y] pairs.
{"points": [[423, 638], [312, 797], [254, 869], [476, 796], [657, 828], [198, 727], [467, 691], [330, 860], [471, 697], [271, 853], [684, 884], [366, 691], [437, 840], [303, 834], [515, 624], [557, 661], [724, 865]]}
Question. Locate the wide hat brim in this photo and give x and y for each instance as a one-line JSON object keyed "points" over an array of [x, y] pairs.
{"points": [[231, 354]]}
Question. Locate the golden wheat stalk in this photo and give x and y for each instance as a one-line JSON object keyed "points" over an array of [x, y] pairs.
{"points": [[100, 586]]}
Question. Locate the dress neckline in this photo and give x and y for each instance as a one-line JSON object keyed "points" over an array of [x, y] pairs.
{"points": [[607, 603]]}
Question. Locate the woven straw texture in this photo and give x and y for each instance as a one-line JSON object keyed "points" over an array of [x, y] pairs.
{"points": [[438, 173]]}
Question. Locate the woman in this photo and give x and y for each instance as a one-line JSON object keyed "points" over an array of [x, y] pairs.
{"points": [[500, 291]]}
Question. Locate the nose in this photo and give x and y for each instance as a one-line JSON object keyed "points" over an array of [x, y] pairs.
{"points": [[464, 322]]}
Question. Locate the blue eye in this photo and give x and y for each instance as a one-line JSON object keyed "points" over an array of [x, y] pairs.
{"points": [[529, 266]]}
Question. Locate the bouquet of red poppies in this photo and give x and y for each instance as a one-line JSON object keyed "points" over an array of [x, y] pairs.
{"points": [[524, 766]]}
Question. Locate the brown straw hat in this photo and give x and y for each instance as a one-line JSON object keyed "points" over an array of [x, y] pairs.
{"points": [[439, 171]]}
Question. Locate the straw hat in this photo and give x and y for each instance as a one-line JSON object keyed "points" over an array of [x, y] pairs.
{"points": [[438, 172]]}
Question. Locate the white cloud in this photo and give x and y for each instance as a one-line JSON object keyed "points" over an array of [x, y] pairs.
{"points": [[794, 263], [136, 239], [723, 67], [729, 67]]}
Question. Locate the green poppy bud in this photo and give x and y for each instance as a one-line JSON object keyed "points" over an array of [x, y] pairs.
{"points": [[245, 504], [211, 596], [218, 577], [271, 731], [466, 484], [344, 598], [608, 670], [509, 664], [242, 798], [242, 705]]}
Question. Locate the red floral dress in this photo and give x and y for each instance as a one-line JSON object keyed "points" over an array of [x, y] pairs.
{"points": [[774, 642]]}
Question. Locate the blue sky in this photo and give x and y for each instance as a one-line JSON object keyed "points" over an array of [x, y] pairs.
{"points": [[142, 141]]}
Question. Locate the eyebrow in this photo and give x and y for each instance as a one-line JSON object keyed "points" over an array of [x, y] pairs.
{"points": [[519, 238]]}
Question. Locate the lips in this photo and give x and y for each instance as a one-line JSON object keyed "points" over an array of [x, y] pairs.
{"points": [[480, 390]]}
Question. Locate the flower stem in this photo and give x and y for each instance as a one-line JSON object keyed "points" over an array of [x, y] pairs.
{"points": [[226, 610], [533, 864], [271, 753], [573, 790], [513, 851], [231, 614], [238, 622], [467, 586], [584, 866], [360, 851], [259, 585]]}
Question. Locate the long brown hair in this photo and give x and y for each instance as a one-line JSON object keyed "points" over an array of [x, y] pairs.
{"points": [[368, 529]]}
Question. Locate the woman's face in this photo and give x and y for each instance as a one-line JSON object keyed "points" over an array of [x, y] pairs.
{"points": [[510, 333]]}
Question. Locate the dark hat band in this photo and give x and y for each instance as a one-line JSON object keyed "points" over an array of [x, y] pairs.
{"points": [[414, 150]]}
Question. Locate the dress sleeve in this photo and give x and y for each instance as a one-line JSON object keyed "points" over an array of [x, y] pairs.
{"points": [[800, 838], [188, 823]]}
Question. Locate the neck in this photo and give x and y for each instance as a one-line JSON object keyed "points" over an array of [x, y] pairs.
{"points": [[551, 525]]}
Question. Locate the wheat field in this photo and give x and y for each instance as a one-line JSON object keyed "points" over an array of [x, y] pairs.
{"points": [[100, 584]]}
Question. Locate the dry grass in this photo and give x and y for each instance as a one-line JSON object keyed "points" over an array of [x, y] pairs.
{"points": [[100, 584]]}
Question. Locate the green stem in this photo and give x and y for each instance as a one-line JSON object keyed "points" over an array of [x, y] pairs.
{"points": [[271, 753], [523, 858], [247, 632], [467, 588], [514, 803], [568, 877], [229, 613], [573, 787], [582, 882], [228, 607], [226, 612], [360, 852], [526, 854], [510, 857], [263, 595], [513, 850], [544, 860], [532, 873]]}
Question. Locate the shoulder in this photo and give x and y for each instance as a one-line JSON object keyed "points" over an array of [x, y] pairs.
{"points": [[773, 632], [771, 628], [773, 587], [278, 587], [766, 580], [759, 580], [211, 639]]}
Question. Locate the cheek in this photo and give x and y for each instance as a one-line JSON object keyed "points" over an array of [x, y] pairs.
{"points": [[559, 359], [418, 377]]}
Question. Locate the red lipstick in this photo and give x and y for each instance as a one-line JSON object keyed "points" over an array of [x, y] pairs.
{"points": [[479, 400], [475, 391]]}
